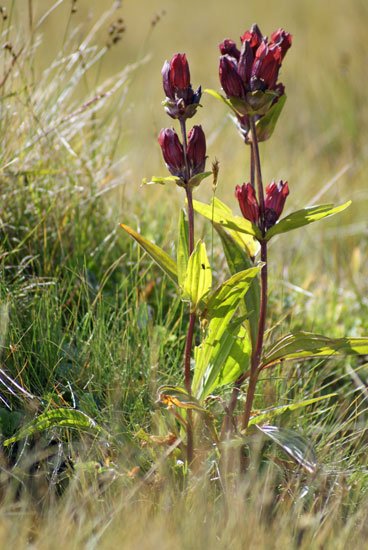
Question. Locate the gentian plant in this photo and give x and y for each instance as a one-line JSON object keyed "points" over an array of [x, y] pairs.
{"points": [[230, 320]]}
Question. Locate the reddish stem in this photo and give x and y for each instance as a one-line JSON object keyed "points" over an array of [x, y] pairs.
{"points": [[185, 149], [192, 318], [189, 193], [257, 351], [256, 356], [251, 165], [257, 162]]}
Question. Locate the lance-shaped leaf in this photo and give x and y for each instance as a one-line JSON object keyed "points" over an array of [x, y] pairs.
{"points": [[238, 260], [220, 308], [304, 217], [267, 123], [60, 418], [225, 299], [196, 180], [158, 180], [270, 414], [220, 97], [158, 255], [226, 219], [303, 345], [198, 278], [239, 249], [182, 252], [246, 242], [293, 444], [227, 357], [256, 103]]}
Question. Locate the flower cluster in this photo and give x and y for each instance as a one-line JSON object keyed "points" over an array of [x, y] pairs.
{"points": [[254, 68], [182, 160], [181, 101], [274, 202], [173, 152], [249, 76]]}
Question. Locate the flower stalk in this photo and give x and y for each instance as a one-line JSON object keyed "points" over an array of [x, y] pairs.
{"points": [[186, 161], [255, 211], [257, 354], [258, 172], [192, 317]]}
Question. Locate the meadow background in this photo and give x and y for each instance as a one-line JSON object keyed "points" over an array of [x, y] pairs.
{"points": [[88, 322]]}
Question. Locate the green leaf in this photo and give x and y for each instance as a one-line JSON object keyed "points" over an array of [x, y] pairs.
{"points": [[220, 310], [293, 444], [158, 255], [198, 278], [304, 217], [59, 418], [245, 242], [226, 219], [265, 125], [256, 103], [163, 180], [4, 322], [182, 253], [238, 260], [227, 296], [222, 98], [228, 358], [196, 180], [302, 345], [269, 414]]}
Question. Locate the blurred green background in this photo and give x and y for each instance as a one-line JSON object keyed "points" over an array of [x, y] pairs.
{"points": [[320, 144], [324, 122]]}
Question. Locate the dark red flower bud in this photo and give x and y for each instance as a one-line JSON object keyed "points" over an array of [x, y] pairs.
{"points": [[276, 194], [181, 101], [196, 150], [247, 202], [229, 47], [282, 39], [253, 36], [230, 80], [245, 63], [267, 64], [179, 72], [256, 69], [166, 81], [172, 151]]}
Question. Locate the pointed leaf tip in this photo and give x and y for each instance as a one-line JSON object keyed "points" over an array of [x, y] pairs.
{"points": [[163, 260], [304, 217]]}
